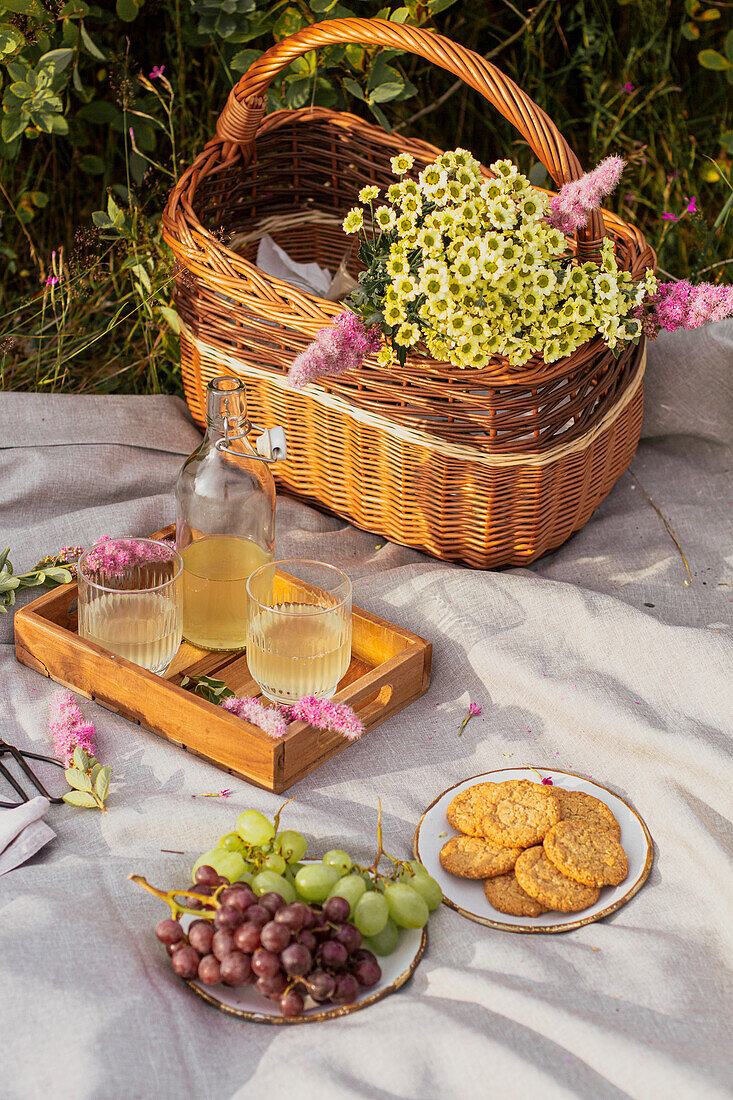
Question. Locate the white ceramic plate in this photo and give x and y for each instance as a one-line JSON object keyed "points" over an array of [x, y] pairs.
{"points": [[246, 1003], [467, 896]]}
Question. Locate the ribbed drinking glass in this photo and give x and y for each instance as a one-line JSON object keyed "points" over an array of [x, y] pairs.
{"points": [[131, 600]]}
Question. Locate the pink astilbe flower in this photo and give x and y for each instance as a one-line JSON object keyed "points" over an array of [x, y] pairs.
{"points": [[572, 205], [342, 346], [682, 305], [269, 719], [325, 715], [68, 728], [112, 560], [274, 720]]}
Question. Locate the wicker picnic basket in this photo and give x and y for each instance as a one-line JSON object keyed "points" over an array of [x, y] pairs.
{"points": [[487, 467]]}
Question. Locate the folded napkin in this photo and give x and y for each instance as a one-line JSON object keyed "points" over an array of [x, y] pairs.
{"points": [[275, 261], [309, 277], [22, 833]]}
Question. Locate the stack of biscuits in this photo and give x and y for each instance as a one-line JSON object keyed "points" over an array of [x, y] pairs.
{"points": [[537, 847]]}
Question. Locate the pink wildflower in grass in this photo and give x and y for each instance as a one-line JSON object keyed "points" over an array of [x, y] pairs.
{"points": [[572, 205], [342, 346], [68, 728], [682, 305], [52, 280], [156, 71], [337, 717], [627, 88], [269, 719], [691, 208]]}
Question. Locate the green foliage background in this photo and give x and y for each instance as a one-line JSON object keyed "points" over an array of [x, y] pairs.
{"points": [[94, 133]]}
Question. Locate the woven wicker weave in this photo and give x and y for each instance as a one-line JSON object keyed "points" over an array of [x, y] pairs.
{"points": [[488, 467]]}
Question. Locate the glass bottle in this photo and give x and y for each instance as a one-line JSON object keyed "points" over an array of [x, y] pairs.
{"points": [[225, 519]]}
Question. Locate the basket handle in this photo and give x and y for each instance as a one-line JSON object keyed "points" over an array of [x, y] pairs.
{"points": [[245, 106]]}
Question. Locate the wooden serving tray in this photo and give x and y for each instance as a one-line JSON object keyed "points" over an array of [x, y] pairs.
{"points": [[390, 668]]}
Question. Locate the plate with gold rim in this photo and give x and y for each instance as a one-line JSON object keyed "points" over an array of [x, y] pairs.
{"points": [[467, 896]]}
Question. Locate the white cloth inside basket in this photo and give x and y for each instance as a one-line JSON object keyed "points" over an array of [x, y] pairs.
{"points": [[275, 261], [309, 277]]}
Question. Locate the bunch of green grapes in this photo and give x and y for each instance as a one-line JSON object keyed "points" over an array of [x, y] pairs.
{"points": [[380, 905]]}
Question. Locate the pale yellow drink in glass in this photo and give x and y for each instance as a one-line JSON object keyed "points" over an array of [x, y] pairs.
{"points": [[293, 652], [215, 573], [299, 629], [145, 629]]}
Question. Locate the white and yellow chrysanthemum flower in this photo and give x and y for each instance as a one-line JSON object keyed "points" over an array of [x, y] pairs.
{"points": [[385, 357], [457, 325], [440, 306], [461, 158], [411, 204], [405, 287], [354, 220], [429, 240], [545, 281], [407, 334], [397, 264], [407, 229], [606, 287], [384, 218], [432, 285], [394, 313], [504, 169], [402, 163], [368, 194]]}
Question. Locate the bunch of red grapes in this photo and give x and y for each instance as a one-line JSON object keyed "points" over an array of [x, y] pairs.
{"points": [[287, 951]]}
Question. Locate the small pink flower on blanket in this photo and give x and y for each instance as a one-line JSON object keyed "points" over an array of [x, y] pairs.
{"points": [[68, 728]]}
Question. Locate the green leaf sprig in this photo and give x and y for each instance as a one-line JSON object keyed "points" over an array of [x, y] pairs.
{"points": [[208, 688], [49, 573], [89, 780]]}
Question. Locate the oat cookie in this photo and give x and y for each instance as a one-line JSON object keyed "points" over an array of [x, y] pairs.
{"points": [[505, 894], [474, 857], [518, 813], [587, 853], [579, 806], [462, 813], [541, 880]]}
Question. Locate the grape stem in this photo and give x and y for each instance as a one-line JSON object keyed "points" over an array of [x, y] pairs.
{"points": [[399, 864], [276, 820], [168, 896]]}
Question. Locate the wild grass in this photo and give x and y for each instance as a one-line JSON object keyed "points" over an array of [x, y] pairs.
{"points": [[84, 300]]}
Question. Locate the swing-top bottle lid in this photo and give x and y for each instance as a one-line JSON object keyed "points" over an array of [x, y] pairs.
{"points": [[226, 399]]}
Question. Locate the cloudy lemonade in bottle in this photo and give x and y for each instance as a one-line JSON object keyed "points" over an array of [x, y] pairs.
{"points": [[225, 518], [215, 573]]}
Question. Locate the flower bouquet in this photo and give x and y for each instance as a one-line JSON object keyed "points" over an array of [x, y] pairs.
{"points": [[475, 266]]}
